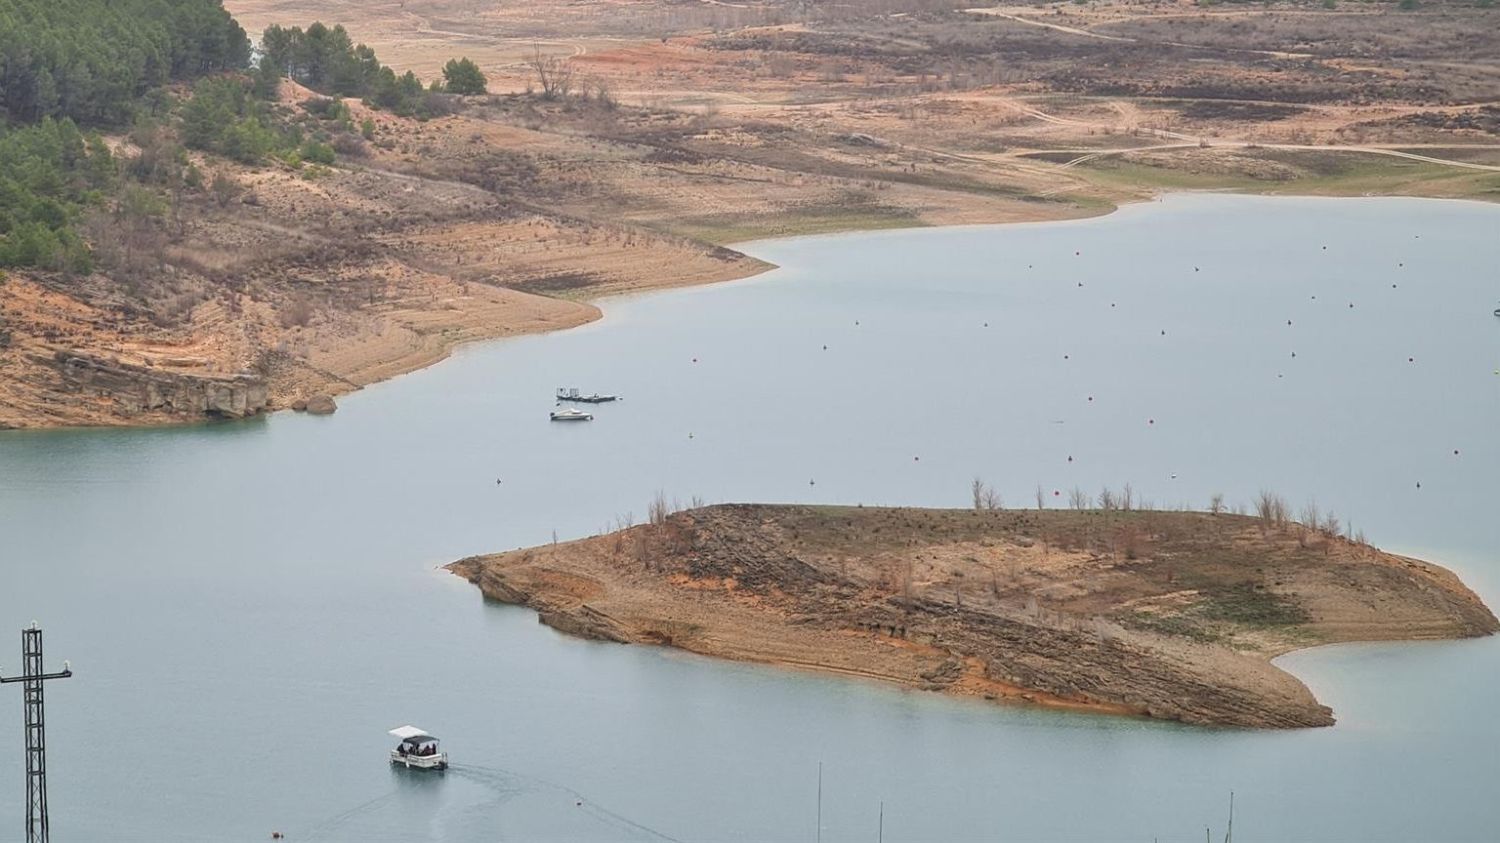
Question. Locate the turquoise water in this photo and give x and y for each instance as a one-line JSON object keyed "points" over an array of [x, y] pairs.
{"points": [[248, 607]]}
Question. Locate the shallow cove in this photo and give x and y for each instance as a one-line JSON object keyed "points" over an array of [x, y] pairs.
{"points": [[249, 607]]}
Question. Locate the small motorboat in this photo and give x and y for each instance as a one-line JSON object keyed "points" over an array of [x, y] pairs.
{"points": [[572, 394], [571, 414], [417, 749]]}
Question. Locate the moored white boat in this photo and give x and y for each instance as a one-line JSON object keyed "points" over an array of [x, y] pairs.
{"points": [[573, 394], [571, 414]]}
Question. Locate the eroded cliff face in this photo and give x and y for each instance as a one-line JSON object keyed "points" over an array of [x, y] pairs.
{"points": [[1036, 607], [72, 388]]}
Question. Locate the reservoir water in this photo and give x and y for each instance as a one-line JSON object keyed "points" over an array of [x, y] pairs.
{"points": [[248, 607]]}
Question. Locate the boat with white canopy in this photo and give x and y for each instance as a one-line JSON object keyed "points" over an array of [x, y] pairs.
{"points": [[417, 749]]}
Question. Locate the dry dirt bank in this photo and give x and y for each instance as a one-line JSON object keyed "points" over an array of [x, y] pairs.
{"points": [[695, 126], [1173, 615]]}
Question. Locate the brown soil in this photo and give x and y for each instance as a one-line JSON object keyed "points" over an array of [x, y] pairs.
{"points": [[735, 121], [1173, 615]]}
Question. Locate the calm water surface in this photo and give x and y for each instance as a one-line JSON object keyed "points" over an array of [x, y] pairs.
{"points": [[249, 607]]}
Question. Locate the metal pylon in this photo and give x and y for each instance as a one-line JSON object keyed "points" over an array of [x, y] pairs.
{"points": [[32, 679]]}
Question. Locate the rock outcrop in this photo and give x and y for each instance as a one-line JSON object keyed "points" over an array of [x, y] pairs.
{"points": [[152, 392]]}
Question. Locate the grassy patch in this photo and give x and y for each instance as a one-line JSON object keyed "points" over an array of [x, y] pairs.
{"points": [[1251, 112], [1305, 172], [1247, 605], [1115, 172], [1177, 626]]}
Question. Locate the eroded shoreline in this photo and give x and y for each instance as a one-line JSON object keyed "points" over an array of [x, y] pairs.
{"points": [[1171, 615]]}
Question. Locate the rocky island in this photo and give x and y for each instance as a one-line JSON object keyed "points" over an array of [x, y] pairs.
{"points": [[1173, 615]]}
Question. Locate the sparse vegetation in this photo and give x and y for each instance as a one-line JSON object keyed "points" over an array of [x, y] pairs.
{"points": [[695, 157], [1271, 509], [553, 74], [1119, 610]]}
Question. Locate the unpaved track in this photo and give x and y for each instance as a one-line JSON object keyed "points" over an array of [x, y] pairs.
{"points": [[1070, 30]]}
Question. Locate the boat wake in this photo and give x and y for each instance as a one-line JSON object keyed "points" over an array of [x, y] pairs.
{"points": [[507, 782], [491, 776]]}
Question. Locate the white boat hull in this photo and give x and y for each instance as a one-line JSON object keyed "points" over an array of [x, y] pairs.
{"points": [[420, 762]]}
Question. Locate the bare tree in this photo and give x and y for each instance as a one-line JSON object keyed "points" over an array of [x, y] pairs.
{"points": [[1078, 498], [554, 74], [225, 188], [1216, 503], [1311, 517], [985, 497], [658, 510], [1271, 508], [1107, 499]]}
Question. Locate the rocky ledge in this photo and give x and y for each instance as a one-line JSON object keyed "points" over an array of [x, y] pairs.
{"points": [[128, 390]]}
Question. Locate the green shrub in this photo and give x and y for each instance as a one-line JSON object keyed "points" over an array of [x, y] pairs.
{"points": [[316, 153]]}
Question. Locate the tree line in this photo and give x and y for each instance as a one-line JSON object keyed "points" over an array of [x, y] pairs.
{"points": [[66, 64], [71, 63], [90, 60], [328, 61]]}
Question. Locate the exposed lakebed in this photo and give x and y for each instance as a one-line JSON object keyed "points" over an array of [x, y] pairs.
{"points": [[248, 607]]}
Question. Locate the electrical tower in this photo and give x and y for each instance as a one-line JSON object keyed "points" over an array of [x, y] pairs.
{"points": [[32, 678]]}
